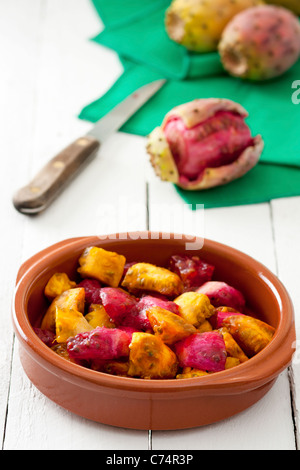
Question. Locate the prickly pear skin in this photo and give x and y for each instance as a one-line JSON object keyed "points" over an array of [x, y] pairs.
{"points": [[261, 43], [193, 271], [198, 25], [220, 293], [178, 149], [204, 351], [101, 343]]}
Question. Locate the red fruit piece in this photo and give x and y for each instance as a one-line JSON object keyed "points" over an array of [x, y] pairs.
{"points": [[117, 303], [99, 344], [47, 336], [223, 312], [149, 301], [92, 289], [222, 294], [204, 351], [192, 270]]}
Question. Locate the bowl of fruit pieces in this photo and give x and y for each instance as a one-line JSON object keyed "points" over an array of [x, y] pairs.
{"points": [[142, 332]]}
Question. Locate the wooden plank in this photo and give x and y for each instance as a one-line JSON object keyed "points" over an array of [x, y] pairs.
{"points": [[18, 47], [286, 234], [68, 76], [249, 229]]}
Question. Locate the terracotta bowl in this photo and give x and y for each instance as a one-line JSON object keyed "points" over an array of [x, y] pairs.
{"points": [[153, 404]]}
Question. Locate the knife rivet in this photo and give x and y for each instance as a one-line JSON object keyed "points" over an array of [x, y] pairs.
{"points": [[82, 141], [58, 164], [35, 189]]}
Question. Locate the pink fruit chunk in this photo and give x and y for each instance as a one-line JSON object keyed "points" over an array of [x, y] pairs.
{"points": [[47, 336], [99, 344], [217, 319], [204, 351], [193, 271], [117, 303], [123, 309], [203, 144], [149, 301], [92, 289], [222, 294]]}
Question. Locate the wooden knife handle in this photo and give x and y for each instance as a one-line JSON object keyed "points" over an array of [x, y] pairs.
{"points": [[51, 180]]}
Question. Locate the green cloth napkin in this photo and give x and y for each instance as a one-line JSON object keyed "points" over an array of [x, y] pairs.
{"points": [[136, 31]]}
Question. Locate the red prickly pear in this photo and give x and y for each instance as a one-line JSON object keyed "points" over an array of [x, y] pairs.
{"points": [[193, 271], [203, 144], [204, 351], [99, 344], [260, 43], [148, 301], [221, 294]]}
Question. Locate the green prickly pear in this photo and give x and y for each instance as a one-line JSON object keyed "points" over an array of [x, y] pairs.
{"points": [[198, 24]]}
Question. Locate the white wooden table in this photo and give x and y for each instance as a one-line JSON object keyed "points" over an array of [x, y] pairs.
{"points": [[49, 71]]}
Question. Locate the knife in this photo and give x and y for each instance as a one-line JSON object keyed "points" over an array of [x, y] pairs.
{"points": [[58, 172]]}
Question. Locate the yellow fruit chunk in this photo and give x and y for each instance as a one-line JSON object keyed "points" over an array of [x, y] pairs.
{"points": [[105, 266], [251, 334], [145, 276], [98, 316], [57, 284], [231, 362], [190, 372], [61, 350], [205, 326], [195, 308], [69, 323], [151, 358], [169, 326], [69, 299], [232, 348]]}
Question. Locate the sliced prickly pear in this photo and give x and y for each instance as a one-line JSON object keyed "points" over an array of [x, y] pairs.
{"points": [[105, 266], [232, 362], [69, 323], [251, 334], [192, 270], [97, 316], [204, 143], [92, 289], [169, 326], [204, 351], [151, 358], [232, 348], [261, 43], [194, 307], [117, 303], [72, 299], [189, 372], [222, 294], [48, 337], [57, 284], [99, 344], [149, 301], [148, 277], [217, 318]]}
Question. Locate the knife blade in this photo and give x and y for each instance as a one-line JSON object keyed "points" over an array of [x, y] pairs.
{"points": [[36, 196]]}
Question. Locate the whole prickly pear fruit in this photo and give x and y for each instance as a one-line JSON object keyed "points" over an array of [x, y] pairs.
{"points": [[261, 43], [293, 5], [198, 24], [204, 143]]}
